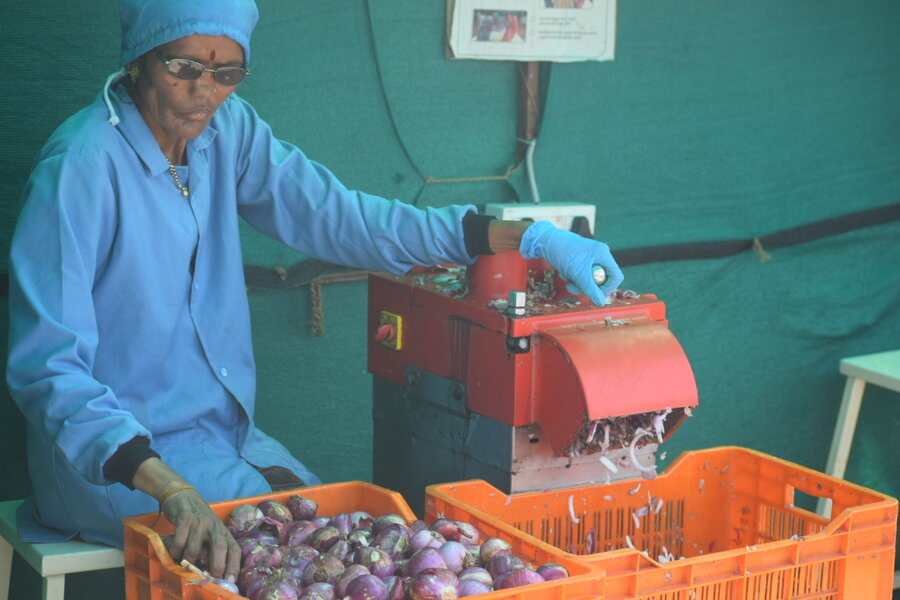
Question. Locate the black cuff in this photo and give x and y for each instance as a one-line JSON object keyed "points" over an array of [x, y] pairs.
{"points": [[122, 465], [475, 233]]}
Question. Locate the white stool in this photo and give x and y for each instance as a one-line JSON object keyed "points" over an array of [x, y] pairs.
{"points": [[53, 561]]}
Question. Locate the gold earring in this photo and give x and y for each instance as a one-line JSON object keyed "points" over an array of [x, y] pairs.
{"points": [[133, 72]]}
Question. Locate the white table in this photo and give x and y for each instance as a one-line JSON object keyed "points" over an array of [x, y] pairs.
{"points": [[881, 369]]}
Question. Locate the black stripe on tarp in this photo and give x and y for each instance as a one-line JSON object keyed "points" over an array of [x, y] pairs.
{"points": [[301, 273], [259, 278], [833, 226], [629, 257], [306, 270]]}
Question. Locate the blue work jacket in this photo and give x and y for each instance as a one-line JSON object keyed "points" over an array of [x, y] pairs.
{"points": [[128, 308]]}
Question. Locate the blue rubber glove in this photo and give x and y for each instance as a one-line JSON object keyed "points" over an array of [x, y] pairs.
{"points": [[574, 257]]}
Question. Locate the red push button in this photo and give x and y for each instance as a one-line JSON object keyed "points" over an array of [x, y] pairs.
{"points": [[385, 333]]}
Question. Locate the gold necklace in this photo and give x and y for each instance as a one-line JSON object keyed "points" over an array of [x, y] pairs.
{"points": [[184, 191]]}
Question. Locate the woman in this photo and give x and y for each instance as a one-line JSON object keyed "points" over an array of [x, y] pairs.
{"points": [[130, 352]]}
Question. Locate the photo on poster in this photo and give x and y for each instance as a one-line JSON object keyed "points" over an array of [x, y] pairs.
{"points": [[499, 26]]}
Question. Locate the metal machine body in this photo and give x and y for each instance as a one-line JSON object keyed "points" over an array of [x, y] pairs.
{"points": [[553, 394]]}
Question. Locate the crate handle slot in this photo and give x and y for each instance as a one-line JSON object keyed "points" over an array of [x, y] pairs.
{"points": [[803, 500]]}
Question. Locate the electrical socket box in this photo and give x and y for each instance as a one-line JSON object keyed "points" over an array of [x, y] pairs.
{"points": [[561, 214]]}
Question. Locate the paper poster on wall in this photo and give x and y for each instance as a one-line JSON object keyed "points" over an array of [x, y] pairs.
{"points": [[532, 30]]}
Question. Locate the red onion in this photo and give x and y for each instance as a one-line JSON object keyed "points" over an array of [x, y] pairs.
{"points": [[226, 585], [417, 526], [385, 520], [247, 544], [275, 510], [472, 587], [491, 547], [251, 581], [393, 539], [469, 534], [293, 575], [343, 523], [349, 574], [319, 591], [342, 550], [362, 520], [324, 538], [296, 533], [396, 589], [243, 519], [478, 574], [303, 509], [426, 558], [321, 521], [425, 539], [263, 556], [297, 556], [454, 555], [434, 584], [366, 587], [248, 574], [378, 562], [499, 579], [551, 570], [263, 534], [501, 563], [447, 528], [322, 568], [281, 590], [516, 578]]}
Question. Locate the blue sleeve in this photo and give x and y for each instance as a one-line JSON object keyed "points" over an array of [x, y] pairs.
{"points": [[66, 222], [293, 199]]}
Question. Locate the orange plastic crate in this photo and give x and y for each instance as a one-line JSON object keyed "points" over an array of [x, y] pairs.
{"points": [[151, 574], [729, 512]]}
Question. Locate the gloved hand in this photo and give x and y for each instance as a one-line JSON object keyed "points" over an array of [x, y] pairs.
{"points": [[199, 530], [574, 257]]}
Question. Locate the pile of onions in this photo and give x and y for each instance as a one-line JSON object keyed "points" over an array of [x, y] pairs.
{"points": [[289, 552]]}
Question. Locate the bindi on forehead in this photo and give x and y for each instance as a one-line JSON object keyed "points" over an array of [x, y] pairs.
{"points": [[212, 55]]}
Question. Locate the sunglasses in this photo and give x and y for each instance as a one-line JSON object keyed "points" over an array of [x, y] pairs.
{"points": [[184, 68]]}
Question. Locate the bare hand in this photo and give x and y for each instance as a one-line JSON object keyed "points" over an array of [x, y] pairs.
{"points": [[199, 531]]}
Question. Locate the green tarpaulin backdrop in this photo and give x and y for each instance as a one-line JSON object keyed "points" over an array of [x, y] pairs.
{"points": [[724, 120]]}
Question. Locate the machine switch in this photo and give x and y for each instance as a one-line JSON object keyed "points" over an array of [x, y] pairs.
{"points": [[390, 330]]}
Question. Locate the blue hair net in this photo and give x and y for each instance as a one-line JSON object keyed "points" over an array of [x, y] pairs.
{"points": [[147, 24]]}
